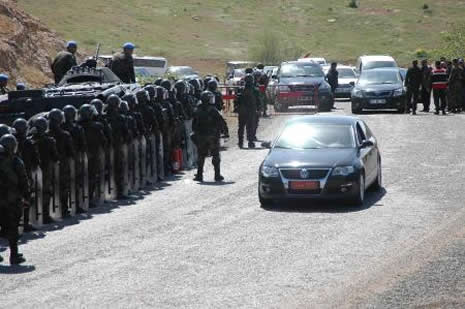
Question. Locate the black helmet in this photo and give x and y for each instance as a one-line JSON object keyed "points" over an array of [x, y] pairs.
{"points": [[248, 71], [20, 125], [206, 80], [180, 87], [4, 129], [212, 85], [207, 97], [158, 81], [70, 113], [113, 101], [249, 80], [87, 112], [41, 125], [260, 66], [9, 142], [151, 90], [166, 84], [195, 83], [159, 93], [131, 99], [97, 104], [143, 96], [56, 116], [124, 108]]}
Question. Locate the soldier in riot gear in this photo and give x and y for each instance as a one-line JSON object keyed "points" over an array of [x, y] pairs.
{"points": [[3, 84], [96, 143], [4, 129], [29, 153], [122, 64], [197, 88], [247, 103], [48, 156], [183, 97], [213, 88], [120, 137], [100, 117], [207, 127], [158, 81], [64, 61], [15, 193], [65, 148], [134, 112]]}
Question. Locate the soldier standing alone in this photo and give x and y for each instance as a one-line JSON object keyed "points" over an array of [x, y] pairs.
{"points": [[413, 82], [122, 64], [64, 61]]}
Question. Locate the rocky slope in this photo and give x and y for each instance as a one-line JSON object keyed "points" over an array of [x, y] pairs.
{"points": [[26, 46]]}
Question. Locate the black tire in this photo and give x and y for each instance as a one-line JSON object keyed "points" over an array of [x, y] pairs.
{"points": [[359, 199], [264, 202], [355, 110], [378, 184], [401, 110]]}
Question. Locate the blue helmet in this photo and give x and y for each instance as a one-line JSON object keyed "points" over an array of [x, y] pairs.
{"points": [[20, 86], [71, 44], [3, 77], [128, 45]]}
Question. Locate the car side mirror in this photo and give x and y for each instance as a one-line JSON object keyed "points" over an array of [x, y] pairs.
{"points": [[352, 84], [266, 145], [366, 144]]}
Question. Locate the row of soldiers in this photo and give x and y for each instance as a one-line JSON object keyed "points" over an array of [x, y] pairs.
{"points": [[445, 81], [64, 161]]}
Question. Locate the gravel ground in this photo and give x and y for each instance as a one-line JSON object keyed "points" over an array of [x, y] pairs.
{"points": [[212, 246]]}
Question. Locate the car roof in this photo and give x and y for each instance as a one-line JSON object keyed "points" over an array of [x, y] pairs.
{"points": [[327, 119], [300, 62], [344, 67], [378, 58], [383, 70]]}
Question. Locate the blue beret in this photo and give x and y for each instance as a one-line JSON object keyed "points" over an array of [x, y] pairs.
{"points": [[128, 45], [71, 44], [3, 77]]}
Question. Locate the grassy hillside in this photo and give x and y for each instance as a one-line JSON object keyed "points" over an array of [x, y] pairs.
{"points": [[205, 33]]}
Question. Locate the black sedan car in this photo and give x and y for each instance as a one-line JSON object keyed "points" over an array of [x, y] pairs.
{"points": [[323, 157], [379, 89]]}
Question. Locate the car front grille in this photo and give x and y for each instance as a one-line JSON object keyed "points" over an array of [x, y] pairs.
{"points": [[303, 88], [376, 94], [297, 173]]}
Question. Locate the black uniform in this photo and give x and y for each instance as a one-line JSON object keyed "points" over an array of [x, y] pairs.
{"points": [[14, 189], [456, 89], [123, 66], [247, 106], [4, 90], [413, 81], [48, 156], [63, 62], [425, 95], [66, 152], [207, 126], [333, 79]]}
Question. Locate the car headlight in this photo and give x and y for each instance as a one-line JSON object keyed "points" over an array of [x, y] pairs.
{"points": [[343, 170], [357, 93], [282, 88], [269, 171], [398, 92]]}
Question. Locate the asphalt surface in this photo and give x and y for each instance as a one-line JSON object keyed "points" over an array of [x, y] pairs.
{"points": [[212, 246]]}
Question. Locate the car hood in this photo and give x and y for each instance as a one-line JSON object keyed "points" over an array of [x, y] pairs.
{"points": [[328, 157], [301, 80], [380, 87], [346, 81]]}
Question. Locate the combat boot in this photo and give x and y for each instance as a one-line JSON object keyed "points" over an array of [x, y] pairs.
{"points": [[199, 175], [218, 176], [251, 145], [15, 257]]}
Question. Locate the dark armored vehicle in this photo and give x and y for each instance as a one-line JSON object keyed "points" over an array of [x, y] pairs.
{"points": [[79, 86]]}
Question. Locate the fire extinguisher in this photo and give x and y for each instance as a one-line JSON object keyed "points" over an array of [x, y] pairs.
{"points": [[176, 158]]}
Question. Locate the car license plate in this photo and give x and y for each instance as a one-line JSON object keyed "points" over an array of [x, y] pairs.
{"points": [[378, 101], [342, 90], [304, 185], [305, 98]]}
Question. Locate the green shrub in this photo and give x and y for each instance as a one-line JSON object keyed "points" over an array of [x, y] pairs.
{"points": [[353, 4], [421, 53], [272, 48]]}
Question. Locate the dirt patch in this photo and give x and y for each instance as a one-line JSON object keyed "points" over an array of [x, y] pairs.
{"points": [[377, 11]]}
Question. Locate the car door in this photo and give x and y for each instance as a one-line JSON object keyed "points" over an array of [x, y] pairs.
{"points": [[372, 162], [365, 154]]}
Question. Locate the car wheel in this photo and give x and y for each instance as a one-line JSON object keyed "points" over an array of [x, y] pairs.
{"points": [[264, 202], [378, 184], [360, 197], [401, 110], [355, 110]]}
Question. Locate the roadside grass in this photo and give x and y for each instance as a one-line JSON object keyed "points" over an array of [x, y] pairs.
{"points": [[210, 32]]}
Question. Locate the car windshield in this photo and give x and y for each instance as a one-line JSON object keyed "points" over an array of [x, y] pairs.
{"points": [[182, 71], [346, 73], [300, 70], [316, 136], [239, 73], [377, 77], [379, 64]]}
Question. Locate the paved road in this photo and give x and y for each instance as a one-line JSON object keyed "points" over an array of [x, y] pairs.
{"points": [[212, 246]]}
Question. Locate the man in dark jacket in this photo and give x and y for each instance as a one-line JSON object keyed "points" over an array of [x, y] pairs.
{"points": [[64, 61], [122, 64], [425, 85], [333, 77], [3, 84], [247, 102], [413, 81], [207, 126], [15, 192], [455, 85]]}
